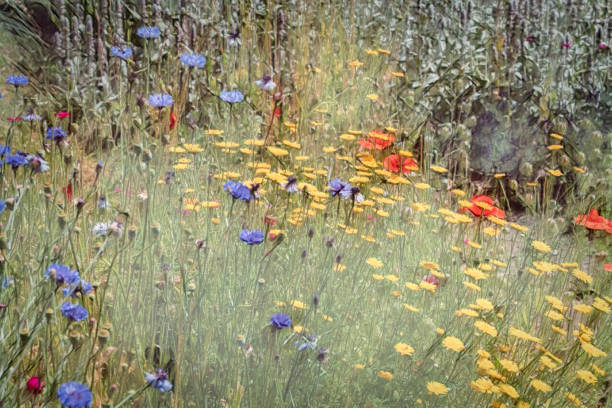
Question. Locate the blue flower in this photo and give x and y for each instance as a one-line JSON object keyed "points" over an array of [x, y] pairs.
{"points": [[31, 117], [56, 133], [280, 321], [16, 160], [160, 100], [17, 80], [2, 206], [238, 190], [74, 395], [193, 60], [337, 186], [308, 343], [252, 237], [63, 274], [159, 380], [148, 32], [265, 83], [231, 97], [37, 163], [83, 287], [4, 150], [123, 53], [74, 312], [6, 282]]}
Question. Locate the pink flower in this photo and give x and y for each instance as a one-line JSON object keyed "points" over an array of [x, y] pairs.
{"points": [[530, 39], [603, 46], [431, 279], [62, 115], [14, 119], [566, 45], [35, 385]]}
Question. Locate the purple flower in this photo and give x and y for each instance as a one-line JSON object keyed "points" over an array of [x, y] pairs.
{"points": [[123, 53], [73, 312], [74, 395], [82, 287], [254, 237], [291, 185], [337, 186], [352, 192], [17, 80], [148, 32], [280, 321], [233, 38], [603, 47], [56, 133], [160, 100], [566, 45], [63, 274], [238, 190], [231, 97], [265, 83], [159, 380], [4, 150], [193, 60], [37, 163], [16, 160]]}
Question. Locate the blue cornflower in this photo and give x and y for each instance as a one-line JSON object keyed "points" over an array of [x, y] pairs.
{"points": [[352, 192], [16, 160], [291, 185], [231, 97], [6, 282], [37, 163], [17, 80], [238, 190], [83, 287], [160, 100], [56, 133], [148, 32], [2, 206], [4, 150], [76, 313], [252, 237], [308, 343], [74, 395], [31, 117], [159, 380], [193, 60], [63, 274], [280, 321], [337, 186], [123, 53]]}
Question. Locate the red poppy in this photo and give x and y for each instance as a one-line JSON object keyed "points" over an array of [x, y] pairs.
{"points": [[68, 191], [478, 211], [594, 221], [35, 385], [62, 115], [377, 140], [608, 267], [277, 112], [172, 120], [392, 163]]}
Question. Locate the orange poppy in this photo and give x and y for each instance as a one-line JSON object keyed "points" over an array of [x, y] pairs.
{"points": [[377, 140], [478, 211], [594, 221], [392, 163]]}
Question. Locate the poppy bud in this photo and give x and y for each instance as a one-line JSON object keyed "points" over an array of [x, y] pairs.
{"points": [[80, 204], [35, 385], [526, 169], [74, 338], [513, 184], [315, 300], [103, 336], [10, 203], [310, 233], [339, 258], [155, 229], [132, 229], [304, 253]]}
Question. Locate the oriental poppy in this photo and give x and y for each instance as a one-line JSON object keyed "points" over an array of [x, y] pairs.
{"points": [[392, 163], [482, 205], [377, 140], [594, 221]]}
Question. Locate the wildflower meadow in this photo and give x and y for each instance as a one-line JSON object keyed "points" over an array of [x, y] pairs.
{"points": [[297, 203]]}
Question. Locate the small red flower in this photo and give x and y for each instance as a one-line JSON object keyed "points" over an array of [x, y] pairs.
{"points": [[14, 119], [377, 140], [392, 163], [566, 45], [594, 221], [173, 120], [35, 385], [277, 112], [68, 191], [431, 279], [62, 115], [478, 211]]}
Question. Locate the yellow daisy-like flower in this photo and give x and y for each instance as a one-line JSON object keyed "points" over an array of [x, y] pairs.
{"points": [[553, 147], [523, 335], [398, 74], [582, 308], [509, 365], [438, 169], [378, 277], [499, 175], [453, 343], [586, 376], [509, 391], [392, 278], [293, 145], [482, 304], [460, 193], [298, 329], [213, 132], [404, 349], [601, 305], [427, 286], [483, 385], [339, 267], [486, 328], [475, 273], [583, 276], [193, 148], [277, 151], [559, 330], [573, 399], [347, 137], [372, 97], [578, 169], [498, 263], [385, 375], [430, 265], [593, 351], [474, 245], [355, 64], [359, 366], [540, 385], [556, 136], [329, 149], [597, 370], [177, 150], [411, 308], [551, 314], [541, 246], [556, 173], [296, 304], [436, 388], [518, 227], [412, 286], [422, 186], [374, 263], [440, 331], [556, 303], [471, 286], [490, 231]]}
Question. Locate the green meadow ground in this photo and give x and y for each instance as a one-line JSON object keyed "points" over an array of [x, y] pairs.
{"points": [[406, 298]]}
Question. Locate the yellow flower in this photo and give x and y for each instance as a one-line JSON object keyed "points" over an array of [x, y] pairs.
{"points": [[404, 349], [486, 328], [474, 245], [556, 136], [559, 330], [556, 173], [601, 305], [440, 331], [554, 315], [475, 273], [540, 385], [392, 278], [372, 97], [385, 375], [523, 335], [490, 231], [427, 286], [597, 370], [586, 376], [540, 246], [355, 64], [483, 304], [499, 175], [329, 149], [509, 391], [339, 267], [573, 399], [556, 303], [518, 227], [483, 385], [412, 286], [466, 312], [438, 169], [460, 193], [298, 329], [436, 388], [582, 308], [593, 351], [359, 366], [422, 186], [347, 137], [578, 170], [398, 74], [378, 277], [177, 150], [193, 148], [430, 265], [277, 151], [411, 308], [497, 221], [586, 278], [453, 343], [293, 145], [471, 286], [298, 304], [374, 263], [554, 147], [213, 132], [383, 51], [509, 365]]}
